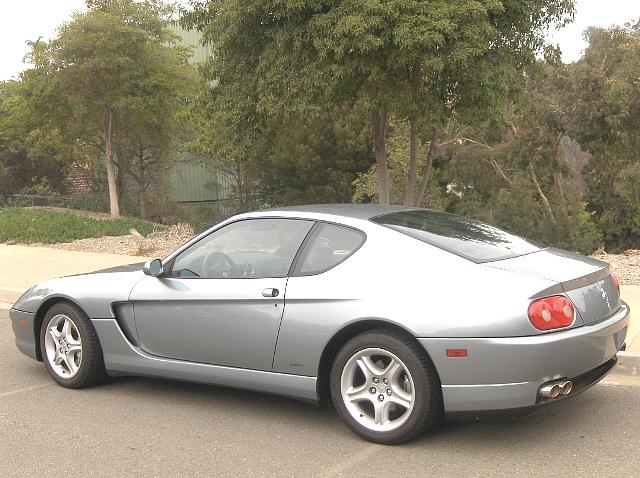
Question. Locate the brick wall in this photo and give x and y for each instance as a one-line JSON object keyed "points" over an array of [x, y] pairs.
{"points": [[79, 181]]}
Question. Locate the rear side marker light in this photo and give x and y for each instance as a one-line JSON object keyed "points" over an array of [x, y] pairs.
{"points": [[616, 283], [551, 313], [457, 353]]}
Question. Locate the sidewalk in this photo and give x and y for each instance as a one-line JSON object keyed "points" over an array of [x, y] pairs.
{"points": [[629, 361], [23, 266], [631, 294]]}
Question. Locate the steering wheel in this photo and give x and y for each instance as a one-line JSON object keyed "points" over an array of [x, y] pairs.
{"points": [[213, 258]]}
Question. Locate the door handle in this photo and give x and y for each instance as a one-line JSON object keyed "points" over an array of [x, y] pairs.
{"points": [[270, 293]]}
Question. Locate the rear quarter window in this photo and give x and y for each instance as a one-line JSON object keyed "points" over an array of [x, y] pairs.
{"points": [[468, 238], [330, 245]]}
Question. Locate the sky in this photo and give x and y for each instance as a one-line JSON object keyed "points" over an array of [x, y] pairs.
{"points": [[24, 20]]}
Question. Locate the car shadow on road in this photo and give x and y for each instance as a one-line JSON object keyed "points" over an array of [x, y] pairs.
{"points": [[248, 405]]}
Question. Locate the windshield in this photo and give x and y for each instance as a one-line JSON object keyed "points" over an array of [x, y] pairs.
{"points": [[468, 238]]}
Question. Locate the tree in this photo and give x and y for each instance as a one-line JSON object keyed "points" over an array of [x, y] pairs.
{"points": [[314, 160], [155, 124], [102, 69], [33, 153], [425, 61], [520, 171], [524, 172], [229, 135], [604, 102]]}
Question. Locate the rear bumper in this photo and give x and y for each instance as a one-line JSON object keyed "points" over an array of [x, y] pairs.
{"points": [[24, 330], [580, 384], [506, 373]]}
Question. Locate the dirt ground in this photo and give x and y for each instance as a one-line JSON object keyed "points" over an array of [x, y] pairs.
{"points": [[625, 266], [155, 245]]}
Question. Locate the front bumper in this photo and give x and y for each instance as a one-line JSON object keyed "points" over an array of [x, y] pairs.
{"points": [[24, 330], [506, 373]]}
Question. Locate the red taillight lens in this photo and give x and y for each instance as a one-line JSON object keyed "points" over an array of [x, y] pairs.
{"points": [[551, 313], [616, 282]]}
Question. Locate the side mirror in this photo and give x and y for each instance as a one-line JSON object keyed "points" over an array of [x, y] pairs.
{"points": [[153, 268]]}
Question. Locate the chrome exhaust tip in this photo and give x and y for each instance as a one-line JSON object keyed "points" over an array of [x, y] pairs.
{"points": [[566, 386], [551, 390]]}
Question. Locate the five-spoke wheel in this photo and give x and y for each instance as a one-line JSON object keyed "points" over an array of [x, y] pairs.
{"points": [[385, 387], [377, 389], [70, 347], [63, 346]]}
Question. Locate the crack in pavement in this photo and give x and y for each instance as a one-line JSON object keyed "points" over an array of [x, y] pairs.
{"points": [[26, 389]]}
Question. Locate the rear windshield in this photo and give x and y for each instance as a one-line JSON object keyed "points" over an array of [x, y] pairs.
{"points": [[473, 240]]}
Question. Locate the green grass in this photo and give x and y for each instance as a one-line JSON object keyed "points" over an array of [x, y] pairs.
{"points": [[23, 225]]}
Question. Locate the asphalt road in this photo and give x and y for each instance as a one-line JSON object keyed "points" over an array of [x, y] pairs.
{"points": [[139, 426]]}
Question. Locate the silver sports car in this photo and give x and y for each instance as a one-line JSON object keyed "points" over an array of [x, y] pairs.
{"points": [[398, 316]]}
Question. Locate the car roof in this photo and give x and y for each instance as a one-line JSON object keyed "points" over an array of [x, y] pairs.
{"points": [[354, 211]]}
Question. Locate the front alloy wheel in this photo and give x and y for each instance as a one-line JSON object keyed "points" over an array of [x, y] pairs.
{"points": [[63, 346], [70, 347]]}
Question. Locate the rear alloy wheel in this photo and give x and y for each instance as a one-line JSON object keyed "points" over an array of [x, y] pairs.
{"points": [[385, 387], [70, 347]]}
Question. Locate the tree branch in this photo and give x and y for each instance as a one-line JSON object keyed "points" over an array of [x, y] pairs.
{"points": [[544, 199], [426, 175]]}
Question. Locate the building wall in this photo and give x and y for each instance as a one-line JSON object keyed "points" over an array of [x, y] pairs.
{"points": [[193, 38], [192, 183]]}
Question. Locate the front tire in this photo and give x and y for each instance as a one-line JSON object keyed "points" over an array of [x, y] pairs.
{"points": [[385, 387], [70, 347]]}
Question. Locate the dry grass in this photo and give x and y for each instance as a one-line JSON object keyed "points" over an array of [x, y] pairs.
{"points": [[626, 266], [157, 244]]}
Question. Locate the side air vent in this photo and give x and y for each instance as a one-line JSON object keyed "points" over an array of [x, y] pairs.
{"points": [[123, 312]]}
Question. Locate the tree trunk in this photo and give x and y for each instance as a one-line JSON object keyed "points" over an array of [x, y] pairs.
{"points": [[426, 175], [379, 123], [108, 157], [142, 185], [121, 176], [543, 198], [410, 187], [243, 200], [141, 201], [557, 181]]}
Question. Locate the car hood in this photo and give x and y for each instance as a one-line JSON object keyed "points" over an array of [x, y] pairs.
{"points": [[94, 292], [124, 268]]}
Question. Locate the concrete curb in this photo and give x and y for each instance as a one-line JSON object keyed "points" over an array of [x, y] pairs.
{"points": [[628, 364]]}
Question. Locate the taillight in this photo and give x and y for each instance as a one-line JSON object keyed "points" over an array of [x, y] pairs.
{"points": [[551, 313], [616, 282]]}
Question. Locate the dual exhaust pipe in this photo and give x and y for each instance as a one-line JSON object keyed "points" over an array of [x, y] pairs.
{"points": [[553, 390]]}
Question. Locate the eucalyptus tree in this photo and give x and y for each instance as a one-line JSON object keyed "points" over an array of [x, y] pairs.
{"points": [[423, 60], [104, 65], [604, 104], [33, 152]]}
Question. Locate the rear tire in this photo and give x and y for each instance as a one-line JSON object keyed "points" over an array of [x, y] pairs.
{"points": [[70, 347], [385, 387]]}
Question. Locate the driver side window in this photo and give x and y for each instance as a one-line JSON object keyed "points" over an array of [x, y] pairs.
{"points": [[251, 248]]}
